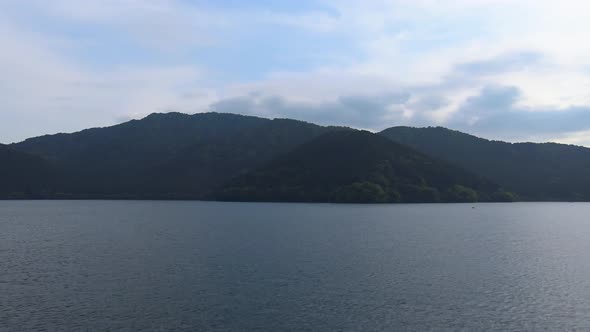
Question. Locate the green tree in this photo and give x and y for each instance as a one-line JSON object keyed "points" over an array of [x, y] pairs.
{"points": [[459, 193]]}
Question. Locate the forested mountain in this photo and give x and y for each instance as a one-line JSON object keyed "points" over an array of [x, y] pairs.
{"points": [[169, 155], [358, 166], [113, 161], [25, 176], [546, 172], [138, 141], [198, 169], [229, 156]]}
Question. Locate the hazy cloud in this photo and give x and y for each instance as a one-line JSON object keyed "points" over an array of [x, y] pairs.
{"points": [[354, 110], [494, 112], [503, 63], [491, 112], [498, 68]]}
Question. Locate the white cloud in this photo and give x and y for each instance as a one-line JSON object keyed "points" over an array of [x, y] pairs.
{"points": [[432, 50], [43, 91]]}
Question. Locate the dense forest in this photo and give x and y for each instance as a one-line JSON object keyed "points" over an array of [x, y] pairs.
{"points": [[359, 167], [537, 172], [234, 157], [172, 155], [23, 175], [118, 161]]}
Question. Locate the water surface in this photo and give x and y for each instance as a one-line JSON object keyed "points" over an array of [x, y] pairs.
{"points": [[199, 266]]}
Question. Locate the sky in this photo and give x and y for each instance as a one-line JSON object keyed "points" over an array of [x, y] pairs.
{"points": [[515, 70]]}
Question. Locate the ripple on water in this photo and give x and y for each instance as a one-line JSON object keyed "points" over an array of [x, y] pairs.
{"points": [[186, 266]]}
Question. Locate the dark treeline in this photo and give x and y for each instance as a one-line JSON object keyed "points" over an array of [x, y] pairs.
{"points": [[537, 172], [359, 167], [234, 157]]}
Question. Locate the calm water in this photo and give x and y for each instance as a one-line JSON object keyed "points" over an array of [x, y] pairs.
{"points": [[194, 266]]}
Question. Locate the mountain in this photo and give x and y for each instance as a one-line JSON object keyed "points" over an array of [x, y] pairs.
{"points": [[170, 155], [113, 162], [199, 169], [221, 156], [358, 166], [138, 141], [25, 176], [545, 172]]}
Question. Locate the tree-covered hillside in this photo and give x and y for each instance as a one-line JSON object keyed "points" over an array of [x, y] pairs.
{"points": [[169, 155], [358, 166], [199, 169], [25, 176], [546, 172], [114, 161], [229, 156]]}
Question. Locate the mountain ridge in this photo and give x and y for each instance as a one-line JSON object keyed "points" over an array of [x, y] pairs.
{"points": [[358, 166], [23, 175], [536, 171], [182, 156]]}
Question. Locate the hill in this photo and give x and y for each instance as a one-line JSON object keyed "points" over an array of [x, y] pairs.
{"points": [[542, 172], [180, 156], [358, 166], [25, 176], [170, 155], [201, 168]]}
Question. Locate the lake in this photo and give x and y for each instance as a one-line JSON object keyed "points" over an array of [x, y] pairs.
{"points": [[206, 266]]}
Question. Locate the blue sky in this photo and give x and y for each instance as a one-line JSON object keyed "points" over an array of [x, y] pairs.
{"points": [[516, 70]]}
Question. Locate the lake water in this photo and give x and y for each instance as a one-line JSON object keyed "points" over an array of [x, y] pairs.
{"points": [[198, 266]]}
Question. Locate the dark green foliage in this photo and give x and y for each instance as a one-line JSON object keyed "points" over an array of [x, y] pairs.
{"points": [[504, 196], [545, 171], [361, 192], [228, 156], [25, 176], [458, 193], [200, 168], [422, 194], [167, 156], [118, 160], [355, 166]]}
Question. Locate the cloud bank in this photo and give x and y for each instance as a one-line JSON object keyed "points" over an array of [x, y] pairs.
{"points": [[513, 70]]}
